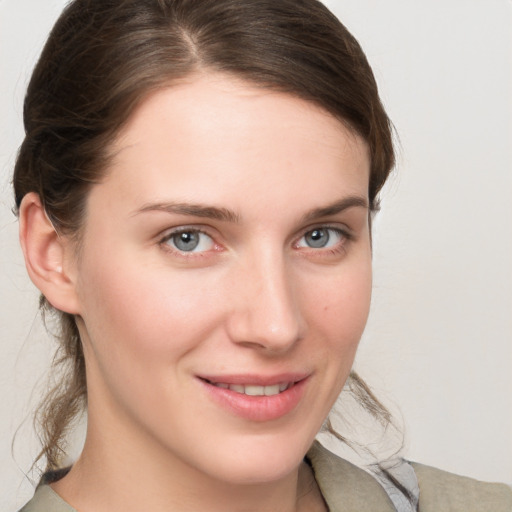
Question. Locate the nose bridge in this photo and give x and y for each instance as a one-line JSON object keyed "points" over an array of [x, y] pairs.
{"points": [[267, 311]]}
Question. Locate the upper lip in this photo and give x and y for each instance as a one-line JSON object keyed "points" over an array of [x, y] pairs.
{"points": [[256, 380]]}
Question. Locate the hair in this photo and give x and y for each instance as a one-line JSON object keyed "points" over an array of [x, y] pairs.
{"points": [[104, 57]]}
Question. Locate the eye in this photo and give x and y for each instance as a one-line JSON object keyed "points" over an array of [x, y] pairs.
{"points": [[321, 238], [189, 240]]}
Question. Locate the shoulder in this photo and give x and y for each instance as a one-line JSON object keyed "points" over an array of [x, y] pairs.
{"points": [[45, 499], [440, 490], [347, 488]]}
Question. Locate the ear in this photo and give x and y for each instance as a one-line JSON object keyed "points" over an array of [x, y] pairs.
{"points": [[48, 255]]}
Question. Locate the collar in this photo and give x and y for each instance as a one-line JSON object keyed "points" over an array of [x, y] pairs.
{"points": [[344, 486]]}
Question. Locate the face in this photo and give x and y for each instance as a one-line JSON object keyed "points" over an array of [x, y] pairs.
{"points": [[224, 279]]}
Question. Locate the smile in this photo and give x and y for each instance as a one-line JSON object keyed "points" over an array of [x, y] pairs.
{"points": [[254, 390], [257, 398]]}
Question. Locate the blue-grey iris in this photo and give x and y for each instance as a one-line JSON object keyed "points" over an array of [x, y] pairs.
{"points": [[186, 241], [317, 238]]}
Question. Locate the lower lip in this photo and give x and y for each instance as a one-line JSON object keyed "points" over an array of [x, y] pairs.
{"points": [[258, 408]]}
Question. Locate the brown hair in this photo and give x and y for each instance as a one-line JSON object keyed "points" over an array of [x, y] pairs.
{"points": [[103, 57]]}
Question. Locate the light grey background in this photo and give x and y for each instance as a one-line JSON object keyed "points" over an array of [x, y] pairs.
{"points": [[438, 347]]}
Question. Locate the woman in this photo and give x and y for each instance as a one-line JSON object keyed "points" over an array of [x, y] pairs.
{"points": [[195, 192]]}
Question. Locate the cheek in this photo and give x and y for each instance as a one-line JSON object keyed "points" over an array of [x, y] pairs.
{"points": [[342, 303], [337, 313], [139, 325], [145, 311]]}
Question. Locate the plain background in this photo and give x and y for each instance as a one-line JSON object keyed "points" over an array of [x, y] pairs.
{"points": [[438, 347]]}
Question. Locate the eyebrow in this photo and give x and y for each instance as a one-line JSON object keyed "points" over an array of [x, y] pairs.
{"points": [[192, 209], [336, 207], [226, 215]]}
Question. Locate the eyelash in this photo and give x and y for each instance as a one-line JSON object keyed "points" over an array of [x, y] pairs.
{"points": [[344, 234]]}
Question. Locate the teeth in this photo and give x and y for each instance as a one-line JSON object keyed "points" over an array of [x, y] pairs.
{"points": [[253, 390], [271, 390]]}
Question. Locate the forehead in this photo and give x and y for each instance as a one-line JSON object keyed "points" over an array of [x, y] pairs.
{"points": [[213, 135]]}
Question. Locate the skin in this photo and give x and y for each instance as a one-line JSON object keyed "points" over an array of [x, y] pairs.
{"points": [[254, 298]]}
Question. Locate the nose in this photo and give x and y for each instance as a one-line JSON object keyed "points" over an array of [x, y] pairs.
{"points": [[266, 311]]}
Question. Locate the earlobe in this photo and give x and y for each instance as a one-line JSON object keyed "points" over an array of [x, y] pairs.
{"points": [[46, 255]]}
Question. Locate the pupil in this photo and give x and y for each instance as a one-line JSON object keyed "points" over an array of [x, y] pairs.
{"points": [[317, 238], [186, 241]]}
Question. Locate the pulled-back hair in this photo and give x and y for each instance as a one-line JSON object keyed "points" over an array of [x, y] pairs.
{"points": [[103, 57]]}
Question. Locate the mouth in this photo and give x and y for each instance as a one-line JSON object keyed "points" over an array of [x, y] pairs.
{"points": [[253, 389], [257, 398]]}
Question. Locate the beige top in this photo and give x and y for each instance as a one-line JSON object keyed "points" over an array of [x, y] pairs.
{"points": [[347, 488]]}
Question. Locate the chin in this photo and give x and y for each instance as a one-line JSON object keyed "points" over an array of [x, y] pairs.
{"points": [[260, 460]]}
